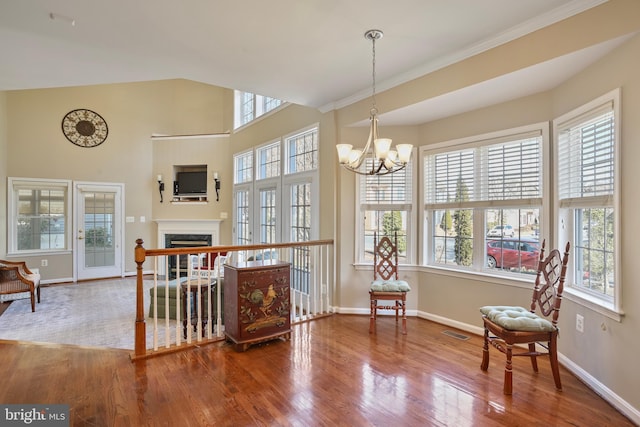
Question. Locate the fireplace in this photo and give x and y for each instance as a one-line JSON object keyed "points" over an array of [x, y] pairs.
{"points": [[173, 233], [183, 241]]}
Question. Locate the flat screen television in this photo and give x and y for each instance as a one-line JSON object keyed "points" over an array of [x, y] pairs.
{"points": [[190, 184]]}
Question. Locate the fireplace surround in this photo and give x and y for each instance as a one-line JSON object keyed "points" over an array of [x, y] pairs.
{"points": [[187, 232]]}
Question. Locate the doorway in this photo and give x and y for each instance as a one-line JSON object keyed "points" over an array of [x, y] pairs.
{"points": [[98, 230]]}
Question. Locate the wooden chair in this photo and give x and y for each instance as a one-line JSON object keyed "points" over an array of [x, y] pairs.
{"points": [[509, 325], [15, 277], [385, 285]]}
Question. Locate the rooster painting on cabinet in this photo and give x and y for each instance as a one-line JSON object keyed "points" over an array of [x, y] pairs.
{"points": [[257, 302]]}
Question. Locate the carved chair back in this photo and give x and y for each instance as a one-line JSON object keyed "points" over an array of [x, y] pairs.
{"points": [[549, 283], [385, 258]]}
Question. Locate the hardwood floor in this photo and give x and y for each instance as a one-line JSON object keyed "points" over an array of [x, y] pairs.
{"points": [[331, 373]]}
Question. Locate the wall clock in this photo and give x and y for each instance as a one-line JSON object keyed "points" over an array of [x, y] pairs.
{"points": [[85, 128]]}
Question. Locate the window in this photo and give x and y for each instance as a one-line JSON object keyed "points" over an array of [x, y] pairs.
{"points": [[386, 210], [242, 179], [268, 161], [483, 201], [268, 215], [302, 152], [39, 215], [283, 206], [587, 143], [243, 168], [249, 106]]}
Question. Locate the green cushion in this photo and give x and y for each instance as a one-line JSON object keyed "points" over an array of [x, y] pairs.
{"points": [[390, 286], [162, 289], [517, 319], [172, 299]]}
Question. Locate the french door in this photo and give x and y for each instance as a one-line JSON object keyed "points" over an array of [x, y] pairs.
{"points": [[98, 230]]}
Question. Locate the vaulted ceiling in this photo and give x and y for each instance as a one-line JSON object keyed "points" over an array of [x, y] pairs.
{"points": [[309, 52]]}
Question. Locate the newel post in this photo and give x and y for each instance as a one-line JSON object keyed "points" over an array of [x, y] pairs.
{"points": [[141, 331]]}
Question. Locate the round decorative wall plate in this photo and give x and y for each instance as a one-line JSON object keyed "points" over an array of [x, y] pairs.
{"points": [[85, 128]]}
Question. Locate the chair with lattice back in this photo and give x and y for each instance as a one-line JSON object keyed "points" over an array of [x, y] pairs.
{"points": [[508, 326], [385, 285]]}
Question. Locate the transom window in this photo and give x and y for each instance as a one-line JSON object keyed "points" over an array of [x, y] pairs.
{"points": [[249, 106], [243, 167], [268, 161], [302, 152]]}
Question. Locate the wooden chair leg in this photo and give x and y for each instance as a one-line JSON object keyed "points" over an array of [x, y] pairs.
{"points": [[33, 302], [404, 318], [372, 318], [534, 358], [553, 358], [485, 351], [508, 371]]}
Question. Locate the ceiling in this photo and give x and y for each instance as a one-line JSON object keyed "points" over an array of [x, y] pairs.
{"points": [[309, 52]]}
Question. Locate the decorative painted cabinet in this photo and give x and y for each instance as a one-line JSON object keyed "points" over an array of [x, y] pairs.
{"points": [[257, 304]]}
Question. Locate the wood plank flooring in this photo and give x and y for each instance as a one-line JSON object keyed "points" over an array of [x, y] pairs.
{"points": [[331, 373]]}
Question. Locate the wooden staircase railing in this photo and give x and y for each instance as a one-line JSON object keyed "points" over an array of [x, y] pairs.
{"points": [[312, 279]]}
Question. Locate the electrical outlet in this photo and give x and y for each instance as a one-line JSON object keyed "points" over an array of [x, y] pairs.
{"points": [[44, 263], [579, 323]]}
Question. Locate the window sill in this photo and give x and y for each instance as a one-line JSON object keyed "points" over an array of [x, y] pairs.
{"points": [[23, 254], [593, 303]]}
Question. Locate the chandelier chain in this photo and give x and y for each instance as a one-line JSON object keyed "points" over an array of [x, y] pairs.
{"points": [[373, 74]]}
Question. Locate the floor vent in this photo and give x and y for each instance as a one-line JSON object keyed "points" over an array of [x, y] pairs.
{"points": [[456, 335]]}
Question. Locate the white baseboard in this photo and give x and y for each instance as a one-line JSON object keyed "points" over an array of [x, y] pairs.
{"points": [[601, 390]]}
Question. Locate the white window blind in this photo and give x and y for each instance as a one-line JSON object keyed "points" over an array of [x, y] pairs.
{"points": [[390, 189], [510, 170], [446, 171], [586, 156]]}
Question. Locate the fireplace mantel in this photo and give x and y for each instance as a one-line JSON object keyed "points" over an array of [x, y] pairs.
{"points": [[188, 226]]}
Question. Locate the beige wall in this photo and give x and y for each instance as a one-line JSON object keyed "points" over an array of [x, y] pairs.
{"points": [[38, 149]]}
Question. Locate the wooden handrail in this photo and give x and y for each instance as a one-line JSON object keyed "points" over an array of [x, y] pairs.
{"points": [[141, 254], [232, 248]]}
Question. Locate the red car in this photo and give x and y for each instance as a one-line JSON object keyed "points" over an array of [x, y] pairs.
{"points": [[515, 254]]}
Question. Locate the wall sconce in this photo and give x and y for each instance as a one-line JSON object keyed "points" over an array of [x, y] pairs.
{"points": [[217, 181], [160, 186]]}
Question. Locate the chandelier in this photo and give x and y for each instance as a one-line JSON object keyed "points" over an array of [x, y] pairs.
{"points": [[383, 158]]}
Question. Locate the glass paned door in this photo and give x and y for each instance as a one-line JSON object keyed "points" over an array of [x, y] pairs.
{"points": [[99, 248]]}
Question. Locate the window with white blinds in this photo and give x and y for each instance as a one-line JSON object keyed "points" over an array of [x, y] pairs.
{"points": [[38, 215], [390, 189], [385, 210], [586, 155], [587, 140], [482, 189], [504, 171]]}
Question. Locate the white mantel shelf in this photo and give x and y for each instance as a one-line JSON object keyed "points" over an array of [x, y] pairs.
{"points": [[188, 226]]}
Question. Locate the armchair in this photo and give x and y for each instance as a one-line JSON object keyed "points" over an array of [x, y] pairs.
{"points": [[15, 277]]}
